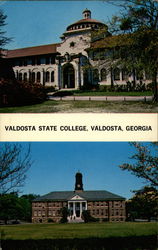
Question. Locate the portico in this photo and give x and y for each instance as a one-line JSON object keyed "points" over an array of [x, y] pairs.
{"points": [[76, 207]]}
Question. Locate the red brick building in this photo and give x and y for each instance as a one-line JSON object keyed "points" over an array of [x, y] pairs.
{"points": [[102, 204]]}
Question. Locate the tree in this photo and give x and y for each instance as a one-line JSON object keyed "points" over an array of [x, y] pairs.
{"points": [[9, 209], [145, 162], [16, 208], [135, 30], [14, 163], [143, 205], [26, 204], [65, 212], [3, 39]]}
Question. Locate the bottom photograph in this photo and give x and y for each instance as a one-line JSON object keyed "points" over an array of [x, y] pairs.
{"points": [[78, 195]]}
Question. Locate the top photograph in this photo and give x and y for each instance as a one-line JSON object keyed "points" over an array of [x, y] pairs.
{"points": [[79, 56]]}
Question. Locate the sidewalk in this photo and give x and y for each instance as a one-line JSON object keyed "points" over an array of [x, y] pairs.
{"points": [[101, 98]]}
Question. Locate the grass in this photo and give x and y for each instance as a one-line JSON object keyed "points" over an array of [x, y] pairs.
{"points": [[81, 231], [52, 106], [108, 93]]}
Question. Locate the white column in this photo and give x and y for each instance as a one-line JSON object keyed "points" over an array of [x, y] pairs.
{"points": [[27, 75], [41, 79], [35, 76], [80, 208], [74, 212]]}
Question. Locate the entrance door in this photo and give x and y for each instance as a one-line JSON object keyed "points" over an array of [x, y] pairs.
{"points": [[68, 76], [77, 209]]}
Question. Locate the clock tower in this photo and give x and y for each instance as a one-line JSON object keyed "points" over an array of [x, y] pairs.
{"points": [[78, 183]]}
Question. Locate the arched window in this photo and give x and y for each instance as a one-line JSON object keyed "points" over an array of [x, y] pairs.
{"points": [[96, 75], [33, 76], [116, 74], [52, 76], [20, 76], [103, 75], [47, 76], [38, 76], [25, 76], [124, 74]]}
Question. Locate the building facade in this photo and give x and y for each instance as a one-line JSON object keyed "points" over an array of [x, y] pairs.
{"points": [[101, 204], [64, 65]]}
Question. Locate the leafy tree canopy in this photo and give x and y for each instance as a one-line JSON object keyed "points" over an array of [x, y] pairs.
{"points": [[143, 204], [134, 44], [145, 163]]}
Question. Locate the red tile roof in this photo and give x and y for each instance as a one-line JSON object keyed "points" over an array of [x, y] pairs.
{"points": [[32, 51]]}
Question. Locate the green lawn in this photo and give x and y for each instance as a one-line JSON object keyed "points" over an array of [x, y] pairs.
{"points": [[70, 231], [108, 93], [85, 106]]}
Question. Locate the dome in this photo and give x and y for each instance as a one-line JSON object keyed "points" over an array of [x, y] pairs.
{"points": [[86, 22]]}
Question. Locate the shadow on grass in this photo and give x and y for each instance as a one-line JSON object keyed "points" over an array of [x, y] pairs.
{"points": [[117, 243]]}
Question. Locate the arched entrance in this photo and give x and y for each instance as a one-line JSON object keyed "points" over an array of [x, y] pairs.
{"points": [[68, 76]]}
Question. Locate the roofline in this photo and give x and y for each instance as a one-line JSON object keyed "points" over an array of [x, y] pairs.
{"points": [[80, 193], [43, 45], [87, 199]]}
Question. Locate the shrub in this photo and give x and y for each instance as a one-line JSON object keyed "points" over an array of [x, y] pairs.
{"points": [[87, 217], [89, 86], [49, 89], [150, 86], [50, 220], [103, 88], [63, 93], [18, 93]]}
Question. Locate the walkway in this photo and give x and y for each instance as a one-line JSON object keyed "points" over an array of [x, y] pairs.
{"points": [[76, 220], [101, 98]]}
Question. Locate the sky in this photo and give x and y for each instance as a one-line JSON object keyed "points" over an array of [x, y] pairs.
{"points": [[56, 163], [33, 23]]}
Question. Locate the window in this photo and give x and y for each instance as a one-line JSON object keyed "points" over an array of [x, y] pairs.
{"points": [[25, 62], [96, 75], [16, 63], [43, 213], [38, 76], [43, 60], [25, 76], [21, 62], [49, 213], [116, 74], [103, 75], [38, 60], [72, 44], [29, 61], [20, 76], [124, 75], [52, 76], [47, 76], [33, 76], [33, 61], [52, 59], [47, 60]]}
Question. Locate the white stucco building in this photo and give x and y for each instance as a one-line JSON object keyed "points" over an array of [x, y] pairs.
{"points": [[62, 65]]}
